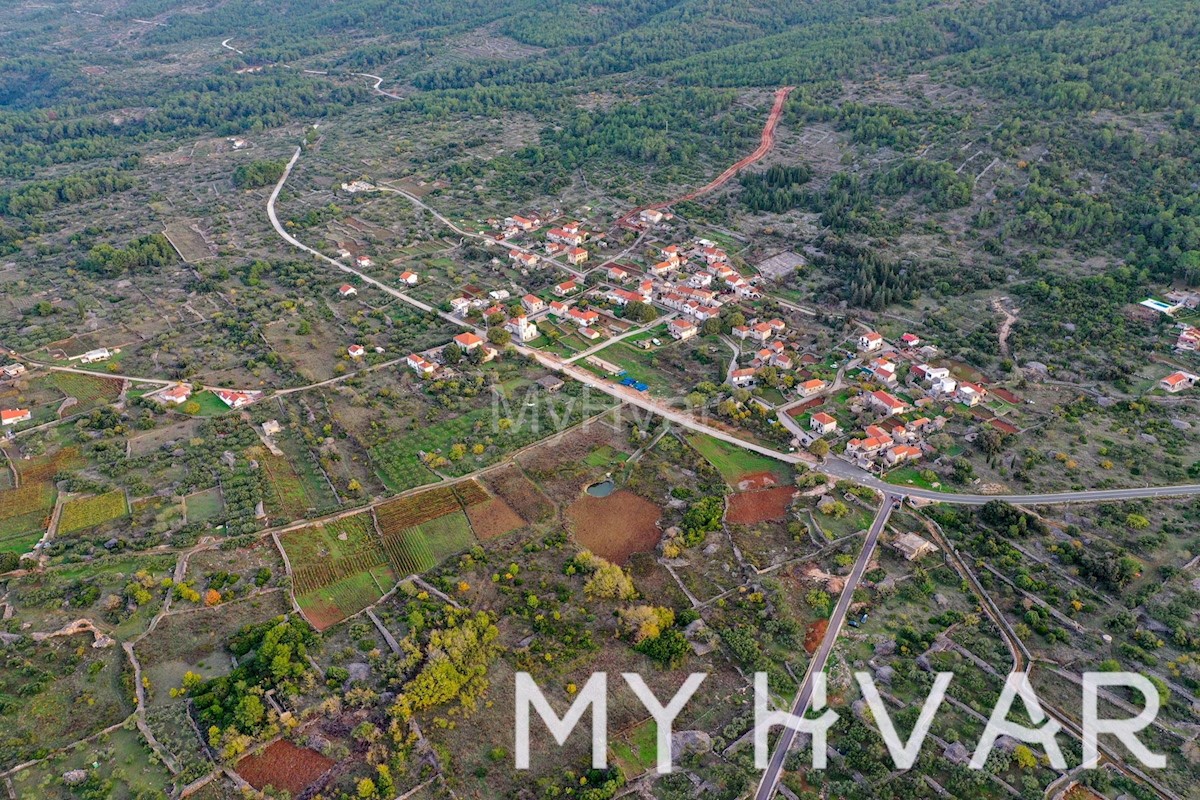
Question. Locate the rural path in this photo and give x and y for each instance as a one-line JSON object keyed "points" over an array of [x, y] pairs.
{"points": [[766, 142], [820, 658], [1010, 317]]}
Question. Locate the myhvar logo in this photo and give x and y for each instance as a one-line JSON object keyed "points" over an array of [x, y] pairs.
{"points": [[594, 695]]}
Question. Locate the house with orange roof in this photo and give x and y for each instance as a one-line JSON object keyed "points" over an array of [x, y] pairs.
{"points": [[743, 378], [619, 274], [901, 453], [682, 329], [970, 394], [13, 416], [421, 365], [467, 341], [346, 290], [565, 288], [177, 394], [811, 387], [577, 255], [235, 399], [822, 423], [411, 278], [1178, 382], [870, 341], [886, 403], [532, 303], [522, 258], [583, 318]]}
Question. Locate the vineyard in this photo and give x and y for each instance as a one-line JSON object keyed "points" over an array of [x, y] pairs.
{"points": [[408, 552], [331, 604], [88, 512], [292, 494], [90, 391], [315, 576], [338, 568], [408, 512]]}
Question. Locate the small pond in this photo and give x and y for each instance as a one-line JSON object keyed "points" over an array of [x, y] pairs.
{"points": [[602, 489]]}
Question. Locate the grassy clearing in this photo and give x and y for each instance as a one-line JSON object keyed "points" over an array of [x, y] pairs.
{"points": [[124, 759], [88, 390], [734, 462], [637, 751], [205, 505], [210, 404], [88, 512], [295, 492]]}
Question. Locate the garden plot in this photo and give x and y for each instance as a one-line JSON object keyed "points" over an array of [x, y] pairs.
{"points": [[617, 526], [338, 568], [90, 512]]}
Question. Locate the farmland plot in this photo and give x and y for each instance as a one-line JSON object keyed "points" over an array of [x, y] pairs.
{"points": [[88, 512]]}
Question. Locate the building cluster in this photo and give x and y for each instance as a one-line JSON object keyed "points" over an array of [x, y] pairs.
{"points": [[892, 444]]}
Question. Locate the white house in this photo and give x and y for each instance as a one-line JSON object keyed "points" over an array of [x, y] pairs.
{"points": [[346, 290], [12, 416], [467, 341], [92, 356], [822, 423], [420, 365], [356, 351], [742, 378], [970, 394], [650, 216], [177, 394], [870, 341], [682, 329], [1179, 381], [532, 304], [411, 278]]}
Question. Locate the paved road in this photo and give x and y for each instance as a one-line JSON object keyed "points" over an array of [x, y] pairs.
{"points": [[816, 666]]}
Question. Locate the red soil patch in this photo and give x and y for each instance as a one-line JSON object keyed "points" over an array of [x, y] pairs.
{"points": [[747, 508], [284, 766], [814, 634], [1001, 425], [493, 518], [617, 526], [323, 615], [756, 480], [798, 411], [1007, 396]]}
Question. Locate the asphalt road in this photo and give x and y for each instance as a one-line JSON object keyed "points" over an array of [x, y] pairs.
{"points": [[816, 666]]}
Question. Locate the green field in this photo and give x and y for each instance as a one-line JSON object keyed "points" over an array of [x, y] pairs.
{"points": [[910, 476], [349, 595], [399, 466], [210, 404], [88, 512], [606, 456], [636, 363], [318, 543], [637, 751], [123, 758], [447, 535], [204, 505], [734, 462], [297, 488]]}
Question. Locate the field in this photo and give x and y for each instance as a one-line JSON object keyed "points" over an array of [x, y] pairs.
{"points": [[333, 602], [88, 390], [493, 518], [210, 404], [520, 494], [398, 463], [187, 241], [123, 758], [204, 505], [733, 462], [293, 494], [407, 512], [617, 526], [422, 547], [284, 766], [24, 513], [637, 751], [747, 508], [88, 512], [338, 568]]}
